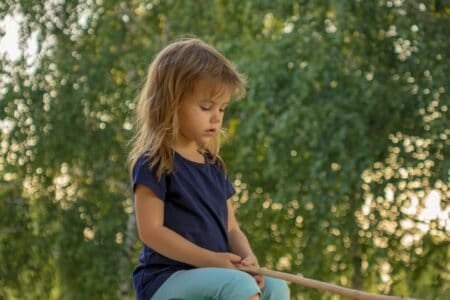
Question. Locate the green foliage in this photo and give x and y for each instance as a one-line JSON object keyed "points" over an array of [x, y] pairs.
{"points": [[341, 138]]}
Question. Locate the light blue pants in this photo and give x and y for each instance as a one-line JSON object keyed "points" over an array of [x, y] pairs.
{"points": [[219, 284]]}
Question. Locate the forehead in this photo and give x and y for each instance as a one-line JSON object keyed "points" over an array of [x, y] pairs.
{"points": [[207, 89]]}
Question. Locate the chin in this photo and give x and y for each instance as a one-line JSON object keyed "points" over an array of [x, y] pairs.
{"points": [[202, 144]]}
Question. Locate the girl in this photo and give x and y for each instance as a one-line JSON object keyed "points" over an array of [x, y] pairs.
{"points": [[192, 241]]}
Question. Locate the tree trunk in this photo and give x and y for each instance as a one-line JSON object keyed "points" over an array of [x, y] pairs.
{"points": [[130, 238], [357, 282]]}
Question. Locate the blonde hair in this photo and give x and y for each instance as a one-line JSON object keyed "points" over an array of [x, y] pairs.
{"points": [[175, 71]]}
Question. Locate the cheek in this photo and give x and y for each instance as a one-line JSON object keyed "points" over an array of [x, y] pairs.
{"points": [[202, 116], [188, 121], [184, 117]]}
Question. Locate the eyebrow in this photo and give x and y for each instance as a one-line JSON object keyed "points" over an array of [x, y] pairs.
{"points": [[215, 102]]}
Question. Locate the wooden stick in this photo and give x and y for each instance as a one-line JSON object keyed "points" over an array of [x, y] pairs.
{"points": [[320, 285]]}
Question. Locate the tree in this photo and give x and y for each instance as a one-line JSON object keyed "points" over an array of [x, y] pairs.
{"points": [[344, 126]]}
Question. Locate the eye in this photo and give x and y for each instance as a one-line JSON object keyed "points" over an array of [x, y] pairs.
{"points": [[205, 108]]}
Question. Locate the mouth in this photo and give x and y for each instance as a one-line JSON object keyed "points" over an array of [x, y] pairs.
{"points": [[211, 132]]}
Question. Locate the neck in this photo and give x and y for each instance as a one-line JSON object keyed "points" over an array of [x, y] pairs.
{"points": [[191, 152]]}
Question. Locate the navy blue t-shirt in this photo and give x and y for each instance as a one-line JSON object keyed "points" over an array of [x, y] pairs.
{"points": [[195, 206]]}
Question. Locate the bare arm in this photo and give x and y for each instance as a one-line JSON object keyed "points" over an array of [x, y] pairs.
{"points": [[238, 241], [239, 244], [151, 229]]}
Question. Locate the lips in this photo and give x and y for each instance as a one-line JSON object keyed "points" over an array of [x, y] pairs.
{"points": [[211, 132]]}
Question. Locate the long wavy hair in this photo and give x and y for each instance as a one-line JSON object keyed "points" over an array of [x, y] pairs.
{"points": [[175, 71]]}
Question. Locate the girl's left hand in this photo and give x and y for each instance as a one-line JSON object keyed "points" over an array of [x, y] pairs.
{"points": [[252, 261]]}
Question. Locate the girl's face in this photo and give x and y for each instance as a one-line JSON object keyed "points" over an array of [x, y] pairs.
{"points": [[200, 114]]}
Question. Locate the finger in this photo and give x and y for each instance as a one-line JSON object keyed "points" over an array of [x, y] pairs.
{"points": [[232, 266], [249, 264], [258, 277], [247, 261], [235, 258], [259, 280], [262, 284]]}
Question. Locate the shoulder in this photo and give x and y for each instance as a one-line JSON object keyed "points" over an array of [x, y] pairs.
{"points": [[143, 160], [145, 173], [146, 165]]}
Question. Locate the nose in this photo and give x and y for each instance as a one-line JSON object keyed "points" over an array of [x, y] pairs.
{"points": [[216, 117]]}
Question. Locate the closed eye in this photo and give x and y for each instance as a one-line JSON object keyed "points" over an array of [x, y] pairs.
{"points": [[223, 108]]}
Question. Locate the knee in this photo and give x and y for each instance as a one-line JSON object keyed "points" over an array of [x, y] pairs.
{"points": [[240, 286], [275, 289]]}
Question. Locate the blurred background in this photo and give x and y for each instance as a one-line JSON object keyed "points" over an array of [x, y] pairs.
{"points": [[340, 151]]}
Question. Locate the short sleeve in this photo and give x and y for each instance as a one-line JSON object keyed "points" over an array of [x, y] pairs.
{"points": [[229, 188], [142, 174]]}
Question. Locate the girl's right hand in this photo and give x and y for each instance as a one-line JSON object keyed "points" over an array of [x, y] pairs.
{"points": [[226, 260]]}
